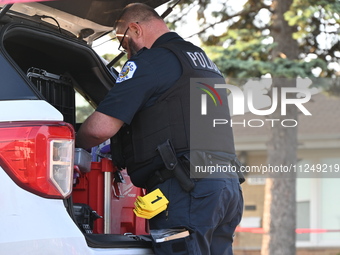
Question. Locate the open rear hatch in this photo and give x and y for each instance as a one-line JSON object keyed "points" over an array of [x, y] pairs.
{"points": [[55, 67], [48, 43], [86, 19]]}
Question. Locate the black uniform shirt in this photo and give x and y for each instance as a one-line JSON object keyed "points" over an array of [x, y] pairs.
{"points": [[144, 77]]}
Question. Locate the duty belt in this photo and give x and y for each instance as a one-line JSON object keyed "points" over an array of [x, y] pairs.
{"points": [[158, 177], [174, 167]]}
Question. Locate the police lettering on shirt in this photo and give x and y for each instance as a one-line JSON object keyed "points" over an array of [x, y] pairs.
{"points": [[127, 72], [199, 60]]}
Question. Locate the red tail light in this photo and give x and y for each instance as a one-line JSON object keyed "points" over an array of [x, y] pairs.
{"points": [[39, 156]]}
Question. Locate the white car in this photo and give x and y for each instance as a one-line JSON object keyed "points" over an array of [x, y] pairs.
{"points": [[45, 206]]}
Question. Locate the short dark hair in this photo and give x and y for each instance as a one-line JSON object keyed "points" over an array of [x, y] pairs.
{"points": [[136, 12]]}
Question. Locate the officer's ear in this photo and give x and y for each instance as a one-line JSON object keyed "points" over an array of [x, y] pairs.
{"points": [[136, 29]]}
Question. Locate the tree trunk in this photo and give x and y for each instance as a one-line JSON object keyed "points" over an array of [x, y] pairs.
{"points": [[279, 217]]}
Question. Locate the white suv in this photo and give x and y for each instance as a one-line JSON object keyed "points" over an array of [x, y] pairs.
{"points": [[45, 56]]}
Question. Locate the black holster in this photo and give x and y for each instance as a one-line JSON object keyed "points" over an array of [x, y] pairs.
{"points": [[238, 165], [171, 163]]}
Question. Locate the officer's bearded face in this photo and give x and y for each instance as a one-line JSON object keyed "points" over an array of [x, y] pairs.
{"points": [[133, 49]]}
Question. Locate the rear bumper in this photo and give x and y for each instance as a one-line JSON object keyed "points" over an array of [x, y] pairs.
{"points": [[34, 225]]}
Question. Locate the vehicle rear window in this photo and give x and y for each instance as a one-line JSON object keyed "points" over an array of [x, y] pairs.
{"points": [[13, 86]]}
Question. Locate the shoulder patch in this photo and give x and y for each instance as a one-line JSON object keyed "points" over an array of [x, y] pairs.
{"points": [[127, 72]]}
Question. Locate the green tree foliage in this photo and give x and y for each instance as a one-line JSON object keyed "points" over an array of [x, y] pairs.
{"points": [[244, 48], [83, 112]]}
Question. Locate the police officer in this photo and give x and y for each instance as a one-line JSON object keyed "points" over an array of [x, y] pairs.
{"points": [[148, 108]]}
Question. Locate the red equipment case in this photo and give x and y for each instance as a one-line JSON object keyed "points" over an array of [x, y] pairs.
{"points": [[90, 190]]}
